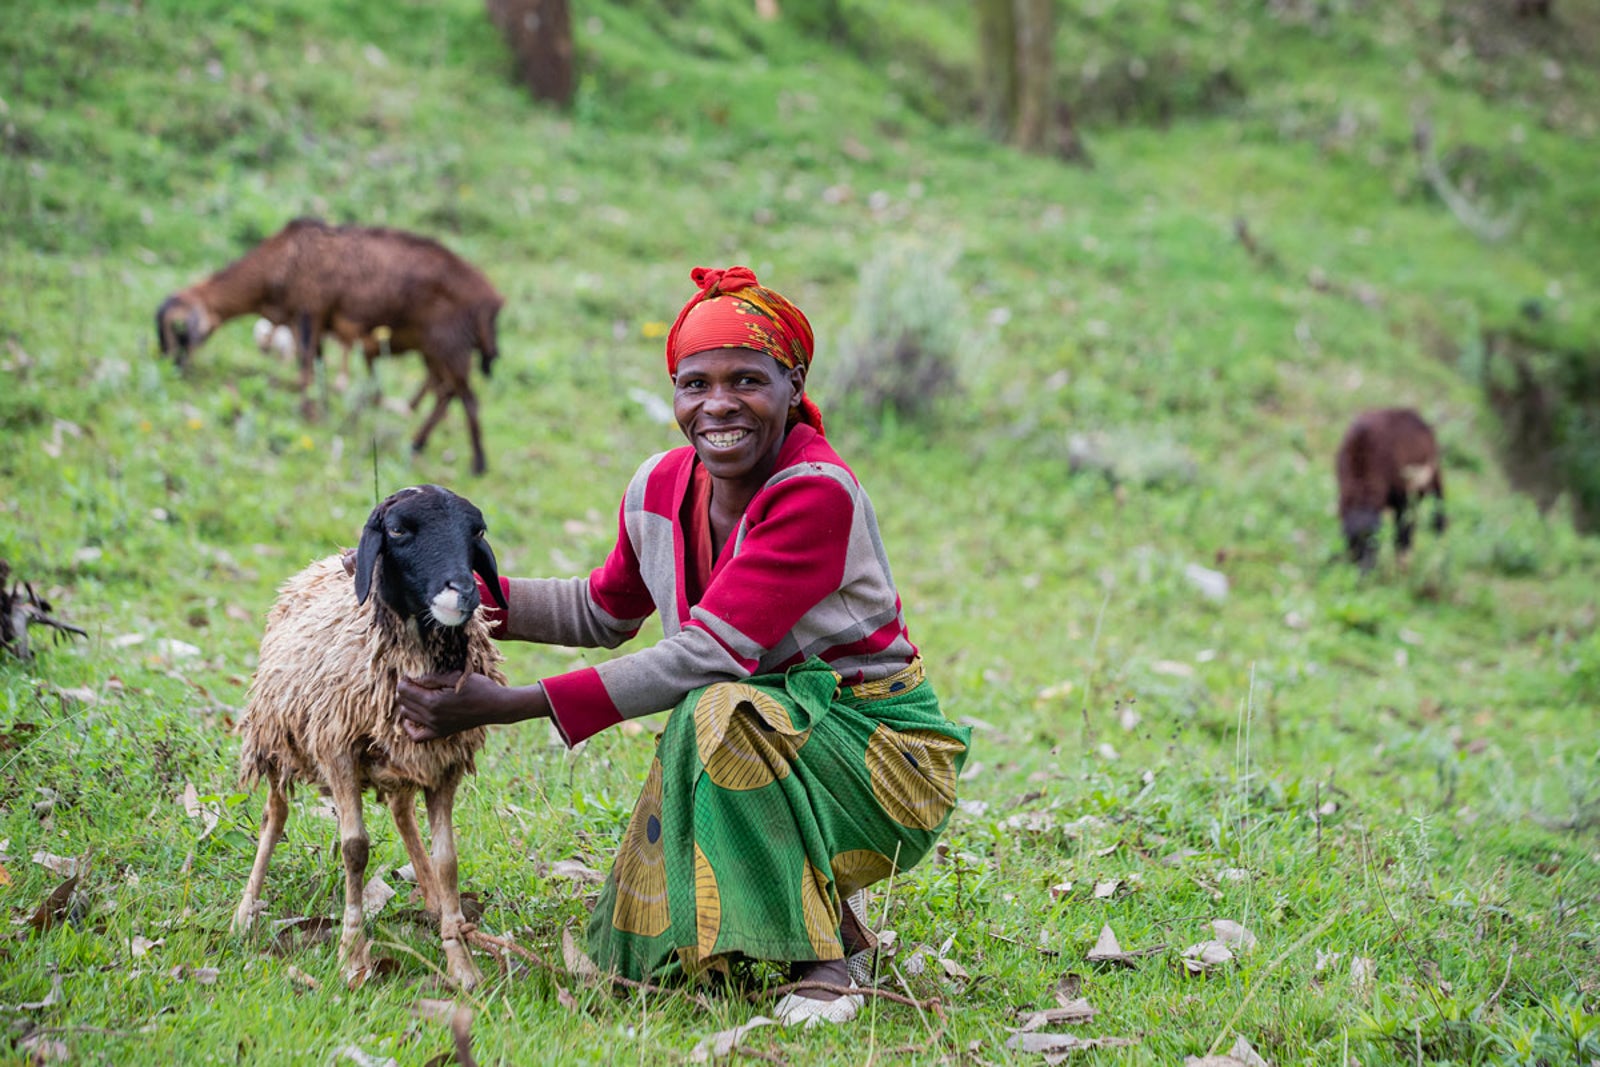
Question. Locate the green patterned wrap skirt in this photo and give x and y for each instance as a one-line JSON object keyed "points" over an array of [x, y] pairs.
{"points": [[767, 803]]}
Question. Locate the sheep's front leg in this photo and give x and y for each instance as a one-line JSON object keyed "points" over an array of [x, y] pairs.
{"points": [[403, 806], [272, 821], [441, 805], [353, 846]]}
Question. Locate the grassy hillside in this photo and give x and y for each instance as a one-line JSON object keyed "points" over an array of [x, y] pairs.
{"points": [[1401, 770]]}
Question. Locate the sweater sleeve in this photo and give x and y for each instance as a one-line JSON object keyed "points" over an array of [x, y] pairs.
{"points": [[793, 555], [600, 611]]}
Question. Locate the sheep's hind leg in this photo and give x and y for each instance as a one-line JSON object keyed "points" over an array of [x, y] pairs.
{"points": [[354, 847], [403, 806], [272, 821], [441, 804]]}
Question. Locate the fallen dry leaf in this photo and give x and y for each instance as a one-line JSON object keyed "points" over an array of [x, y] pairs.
{"points": [[1060, 889], [65, 866], [1362, 972], [301, 932], [1241, 1055], [55, 907], [365, 1059], [51, 998], [566, 999], [141, 946], [723, 1042], [5, 875], [40, 1048], [575, 870], [201, 975], [954, 970], [207, 812], [299, 977], [1107, 889], [375, 895], [1054, 1047], [579, 965], [1233, 935], [1205, 955], [1073, 1011]]}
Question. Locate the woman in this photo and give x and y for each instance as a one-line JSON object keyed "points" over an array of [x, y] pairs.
{"points": [[806, 756]]}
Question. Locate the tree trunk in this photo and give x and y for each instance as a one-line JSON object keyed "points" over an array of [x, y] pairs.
{"points": [[997, 64], [1035, 74], [540, 35]]}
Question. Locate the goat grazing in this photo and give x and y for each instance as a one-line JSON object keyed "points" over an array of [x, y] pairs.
{"points": [[354, 281], [321, 708], [1388, 459]]}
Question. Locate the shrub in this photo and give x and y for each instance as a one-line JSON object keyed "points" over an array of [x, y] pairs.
{"points": [[898, 353]]}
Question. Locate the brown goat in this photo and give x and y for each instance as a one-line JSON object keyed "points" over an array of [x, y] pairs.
{"points": [[353, 282], [1388, 459]]}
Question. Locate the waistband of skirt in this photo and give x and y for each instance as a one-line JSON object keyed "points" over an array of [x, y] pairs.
{"points": [[902, 681]]}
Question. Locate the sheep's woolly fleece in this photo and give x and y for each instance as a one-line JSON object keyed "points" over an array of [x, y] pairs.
{"points": [[326, 680]]}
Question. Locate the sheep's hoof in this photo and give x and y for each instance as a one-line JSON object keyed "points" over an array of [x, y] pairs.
{"points": [[355, 962], [245, 916], [463, 971]]}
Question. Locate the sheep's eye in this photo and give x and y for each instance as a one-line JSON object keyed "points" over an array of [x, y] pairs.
{"points": [[481, 534], [397, 531]]}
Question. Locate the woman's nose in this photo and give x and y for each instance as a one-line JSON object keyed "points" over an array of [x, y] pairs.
{"points": [[720, 400]]}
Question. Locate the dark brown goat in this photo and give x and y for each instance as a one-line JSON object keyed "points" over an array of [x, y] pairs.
{"points": [[1388, 459], [353, 282]]}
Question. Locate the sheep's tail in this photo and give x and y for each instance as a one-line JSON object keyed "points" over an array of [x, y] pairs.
{"points": [[488, 347]]}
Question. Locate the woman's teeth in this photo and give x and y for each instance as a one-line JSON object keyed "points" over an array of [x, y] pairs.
{"points": [[725, 440]]}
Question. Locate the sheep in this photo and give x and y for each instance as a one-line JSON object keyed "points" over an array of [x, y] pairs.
{"points": [[321, 706], [353, 282], [1388, 459]]}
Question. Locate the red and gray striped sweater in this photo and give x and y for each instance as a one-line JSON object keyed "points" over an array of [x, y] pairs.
{"points": [[804, 574]]}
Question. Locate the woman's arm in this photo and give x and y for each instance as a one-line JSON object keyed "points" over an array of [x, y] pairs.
{"points": [[438, 705]]}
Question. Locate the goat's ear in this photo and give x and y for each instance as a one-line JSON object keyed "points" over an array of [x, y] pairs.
{"points": [[161, 330], [367, 553], [483, 563]]}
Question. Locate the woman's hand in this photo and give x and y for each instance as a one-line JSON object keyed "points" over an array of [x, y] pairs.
{"points": [[438, 705]]}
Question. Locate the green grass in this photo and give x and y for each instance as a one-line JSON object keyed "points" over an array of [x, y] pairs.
{"points": [[1401, 769]]}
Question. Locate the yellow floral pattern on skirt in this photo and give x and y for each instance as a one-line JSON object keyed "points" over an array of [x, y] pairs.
{"points": [[914, 774], [640, 873], [746, 738]]}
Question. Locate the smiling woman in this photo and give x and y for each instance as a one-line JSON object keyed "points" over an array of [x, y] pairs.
{"points": [[806, 755]]}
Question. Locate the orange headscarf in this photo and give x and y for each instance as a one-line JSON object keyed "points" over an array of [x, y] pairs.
{"points": [[733, 310]]}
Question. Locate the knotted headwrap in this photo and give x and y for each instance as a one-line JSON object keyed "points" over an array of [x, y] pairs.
{"points": [[733, 310]]}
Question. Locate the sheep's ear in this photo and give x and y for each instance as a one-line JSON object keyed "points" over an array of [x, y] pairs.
{"points": [[367, 552], [483, 563]]}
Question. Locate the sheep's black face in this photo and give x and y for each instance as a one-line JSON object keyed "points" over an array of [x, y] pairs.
{"points": [[421, 546]]}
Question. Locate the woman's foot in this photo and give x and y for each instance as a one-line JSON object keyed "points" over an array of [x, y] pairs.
{"points": [[812, 1007]]}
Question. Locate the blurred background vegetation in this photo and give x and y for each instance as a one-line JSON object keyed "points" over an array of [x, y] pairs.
{"points": [[1092, 315]]}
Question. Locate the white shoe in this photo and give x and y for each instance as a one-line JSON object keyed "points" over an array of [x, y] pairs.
{"points": [[794, 1008], [860, 967]]}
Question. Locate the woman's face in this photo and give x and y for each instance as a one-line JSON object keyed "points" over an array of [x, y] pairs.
{"points": [[733, 405]]}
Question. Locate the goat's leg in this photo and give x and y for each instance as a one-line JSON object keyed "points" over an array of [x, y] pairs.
{"points": [[419, 442], [422, 390], [469, 401], [403, 806], [1405, 527], [272, 821], [354, 847], [441, 828]]}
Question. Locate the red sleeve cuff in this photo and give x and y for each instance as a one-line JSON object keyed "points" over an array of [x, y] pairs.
{"points": [[580, 705], [493, 613]]}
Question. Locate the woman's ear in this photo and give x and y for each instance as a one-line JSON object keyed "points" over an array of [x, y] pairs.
{"points": [[797, 380]]}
